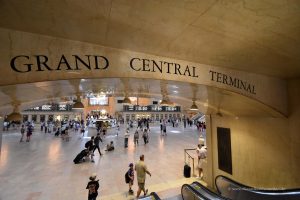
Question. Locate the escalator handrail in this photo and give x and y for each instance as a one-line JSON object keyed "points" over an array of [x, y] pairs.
{"points": [[155, 195], [254, 190], [209, 191], [194, 190]]}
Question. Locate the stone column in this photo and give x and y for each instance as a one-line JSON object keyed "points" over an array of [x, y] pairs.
{"points": [[30, 117], [208, 172], [1, 130]]}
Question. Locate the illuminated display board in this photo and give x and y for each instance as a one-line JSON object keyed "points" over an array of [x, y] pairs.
{"points": [[151, 108], [98, 101], [52, 107]]}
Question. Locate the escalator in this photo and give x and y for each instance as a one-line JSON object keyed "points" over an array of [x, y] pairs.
{"points": [[151, 196], [233, 190], [197, 191]]}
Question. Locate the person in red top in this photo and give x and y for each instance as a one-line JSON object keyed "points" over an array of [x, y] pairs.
{"points": [[93, 186]]}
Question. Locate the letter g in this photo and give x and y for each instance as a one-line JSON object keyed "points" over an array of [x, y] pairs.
{"points": [[13, 66]]}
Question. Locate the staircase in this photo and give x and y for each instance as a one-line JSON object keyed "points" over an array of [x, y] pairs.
{"points": [[197, 116]]}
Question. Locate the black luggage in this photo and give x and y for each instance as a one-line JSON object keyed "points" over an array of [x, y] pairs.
{"points": [[80, 156], [56, 133], [187, 171]]}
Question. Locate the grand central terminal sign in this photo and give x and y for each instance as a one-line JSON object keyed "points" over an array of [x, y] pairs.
{"points": [[30, 58], [39, 63]]}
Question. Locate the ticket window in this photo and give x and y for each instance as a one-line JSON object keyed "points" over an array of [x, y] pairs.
{"points": [[152, 117], [34, 118], [133, 116], [25, 118], [42, 118], [157, 117], [127, 117], [51, 118], [162, 116], [66, 118]]}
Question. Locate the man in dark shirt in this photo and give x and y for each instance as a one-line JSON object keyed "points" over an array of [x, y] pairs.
{"points": [[93, 187], [90, 146], [96, 142]]}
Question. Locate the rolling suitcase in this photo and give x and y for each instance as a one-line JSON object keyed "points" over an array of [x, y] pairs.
{"points": [[80, 156], [187, 171]]}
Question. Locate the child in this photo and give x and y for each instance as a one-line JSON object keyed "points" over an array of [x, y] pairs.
{"points": [[110, 147], [130, 175]]}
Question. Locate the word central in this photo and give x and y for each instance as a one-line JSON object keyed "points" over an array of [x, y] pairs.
{"points": [[139, 64]]}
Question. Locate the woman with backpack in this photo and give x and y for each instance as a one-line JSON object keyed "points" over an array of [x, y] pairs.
{"points": [[93, 186]]}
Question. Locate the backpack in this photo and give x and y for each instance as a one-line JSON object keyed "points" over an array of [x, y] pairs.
{"points": [[87, 144], [127, 178]]}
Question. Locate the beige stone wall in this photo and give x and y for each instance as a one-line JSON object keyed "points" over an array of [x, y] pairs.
{"points": [[265, 151], [294, 127]]}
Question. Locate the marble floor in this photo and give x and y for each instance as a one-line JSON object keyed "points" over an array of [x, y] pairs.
{"points": [[43, 169]]}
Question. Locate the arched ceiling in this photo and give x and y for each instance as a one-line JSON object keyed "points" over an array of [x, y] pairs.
{"points": [[210, 100], [259, 36]]}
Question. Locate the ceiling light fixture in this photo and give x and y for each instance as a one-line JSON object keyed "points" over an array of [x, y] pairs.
{"points": [[194, 106], [78, 105], [166, 102], [219, 114], [126, 101], [15, 115]]}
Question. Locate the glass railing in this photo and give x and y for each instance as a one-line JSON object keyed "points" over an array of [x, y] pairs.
{"points": [[197, 191], [233, 190]]}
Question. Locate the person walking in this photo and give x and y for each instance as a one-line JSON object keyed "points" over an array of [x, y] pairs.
{"points": [[93, 186], [82, 130], [136, 137], [141, 171], [126, 138], [29, 133], [22, 132], [97, 140], [90, 146], [145, 136], [130, 178]]}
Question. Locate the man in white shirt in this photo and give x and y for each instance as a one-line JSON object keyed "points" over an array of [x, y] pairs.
{"points": [[202, 153]]}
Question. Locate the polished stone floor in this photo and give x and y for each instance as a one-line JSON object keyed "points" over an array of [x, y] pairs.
{"points": [[43, 168]]}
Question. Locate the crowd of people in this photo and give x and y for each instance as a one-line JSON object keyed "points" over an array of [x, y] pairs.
{"points": [[142, 129]]}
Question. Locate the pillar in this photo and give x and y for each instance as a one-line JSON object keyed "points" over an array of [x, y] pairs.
{"points": [[209, 176], [1, 130]]}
